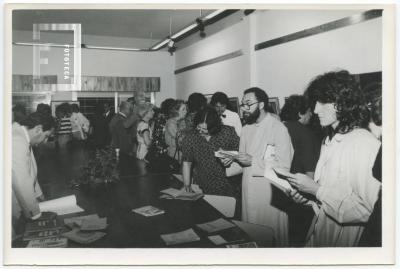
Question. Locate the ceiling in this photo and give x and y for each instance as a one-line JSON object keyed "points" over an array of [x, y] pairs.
{"points": [[134, 23]]}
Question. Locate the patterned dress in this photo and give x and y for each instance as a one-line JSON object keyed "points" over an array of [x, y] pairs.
{"points": [[208, 172]]}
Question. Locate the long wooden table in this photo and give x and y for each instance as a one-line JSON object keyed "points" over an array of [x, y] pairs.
{"points": [[137, 187]]}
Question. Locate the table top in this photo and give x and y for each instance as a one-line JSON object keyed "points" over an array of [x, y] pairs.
{"points": [[136, 188]]}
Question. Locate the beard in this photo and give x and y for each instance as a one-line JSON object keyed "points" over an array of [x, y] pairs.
{"points": [[251, 118]]}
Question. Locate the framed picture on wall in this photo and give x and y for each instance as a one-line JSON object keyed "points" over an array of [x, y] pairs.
{"points": [[54, 105], [273, 103]]}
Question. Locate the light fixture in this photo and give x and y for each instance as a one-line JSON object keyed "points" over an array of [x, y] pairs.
{"points": [[111, 48], [213, 14], [184, 30], [171, 47], [200, 25], [159, 45], [42, 44]]}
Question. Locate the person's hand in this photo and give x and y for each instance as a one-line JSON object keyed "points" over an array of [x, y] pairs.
{"points": [[226, 162], [188, 188], [244, 159], [297, 197], [304, 183], [40, 198]]}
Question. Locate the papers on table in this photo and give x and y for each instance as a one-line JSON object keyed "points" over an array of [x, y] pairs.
{"points": [[84, 228], [280, 183], [216, 225], [82, 237], [148, 211], [180, 237], [78, 221], [61, 206], [217, 239], [172, 193], [243, 245], [53, 242]]}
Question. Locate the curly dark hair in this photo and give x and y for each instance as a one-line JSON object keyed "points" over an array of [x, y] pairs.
{"points": [[294, 105], [212, 119], [196, 102], [341, 89]]}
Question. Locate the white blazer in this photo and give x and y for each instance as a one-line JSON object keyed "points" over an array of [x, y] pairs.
{"points": [[25, 186]]}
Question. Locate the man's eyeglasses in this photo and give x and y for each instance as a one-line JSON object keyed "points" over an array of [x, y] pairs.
{"points": [[247, 106]]}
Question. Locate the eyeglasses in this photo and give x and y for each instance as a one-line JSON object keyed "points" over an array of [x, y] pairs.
{"points": [[247, 106]]}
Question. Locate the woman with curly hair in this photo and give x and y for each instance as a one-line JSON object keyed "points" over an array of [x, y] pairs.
{"points": [[343, 190]]}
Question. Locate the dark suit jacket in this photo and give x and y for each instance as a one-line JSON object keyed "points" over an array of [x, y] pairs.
{"points": [[120, 135]]}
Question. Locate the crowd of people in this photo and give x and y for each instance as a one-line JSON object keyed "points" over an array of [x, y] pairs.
{"points": [[329, 139]]}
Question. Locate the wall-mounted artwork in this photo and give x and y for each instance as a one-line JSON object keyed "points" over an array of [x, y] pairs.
{"points": [[273, 103], [24, 83], [120, 84]]}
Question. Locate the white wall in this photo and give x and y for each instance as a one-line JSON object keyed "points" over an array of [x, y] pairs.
{"points": [[287, 68], [229, 76], [284, 69], [105, 63]]}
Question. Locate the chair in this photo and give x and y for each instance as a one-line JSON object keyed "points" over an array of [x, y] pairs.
{"points": [[224, 204]]}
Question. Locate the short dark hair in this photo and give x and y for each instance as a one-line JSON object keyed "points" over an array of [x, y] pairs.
{"points": [[34, 119], [219, 97], [19, 112], [373, 95], [212, 119], [261, 96], [43, 108], [294, 105], [166, 106], [75, 108], [341, 89], [196, 102]]}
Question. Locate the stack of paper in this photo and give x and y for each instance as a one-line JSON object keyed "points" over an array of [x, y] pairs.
{"points": [[87, 223], [216, 225], [148, 211], [53, 242], [61, 206], [45, 227], [82, 237], [172, 193], [180, 237], [244, 245]]}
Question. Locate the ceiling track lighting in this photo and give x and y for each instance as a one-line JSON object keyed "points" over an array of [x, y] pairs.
{"points": [[170, 41]]}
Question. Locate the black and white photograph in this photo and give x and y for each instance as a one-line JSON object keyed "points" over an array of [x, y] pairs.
{"points": [[187, 130]]}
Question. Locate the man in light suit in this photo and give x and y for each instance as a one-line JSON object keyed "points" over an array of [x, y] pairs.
{"points": [[26, 192]]}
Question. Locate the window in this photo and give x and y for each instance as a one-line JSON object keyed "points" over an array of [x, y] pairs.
{"points": [[88, 105]]}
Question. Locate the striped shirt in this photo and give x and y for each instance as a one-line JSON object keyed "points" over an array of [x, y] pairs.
{"points": [[65, 126]]}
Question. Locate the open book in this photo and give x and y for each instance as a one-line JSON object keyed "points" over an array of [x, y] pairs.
{"points": [[172, 193], [61, 206]]}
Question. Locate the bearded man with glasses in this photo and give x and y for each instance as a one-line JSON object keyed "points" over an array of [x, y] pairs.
{"points": [[264, 142]]}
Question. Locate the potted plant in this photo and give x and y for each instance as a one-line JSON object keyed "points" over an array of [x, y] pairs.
{"points": [[100, 172]]}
